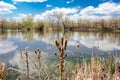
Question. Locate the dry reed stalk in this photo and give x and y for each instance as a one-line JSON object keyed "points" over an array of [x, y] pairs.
{"points": [[27, 62], [38, 53], [27, 59], [2, 71], [61, 45]]}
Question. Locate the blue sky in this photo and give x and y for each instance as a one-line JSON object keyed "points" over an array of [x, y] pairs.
{"points": [[92, 9]]}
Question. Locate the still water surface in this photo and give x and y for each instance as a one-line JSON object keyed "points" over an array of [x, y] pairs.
{"points": [[98, 43]]}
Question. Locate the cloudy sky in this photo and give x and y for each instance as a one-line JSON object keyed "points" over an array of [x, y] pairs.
{"points": [[90, 9]]}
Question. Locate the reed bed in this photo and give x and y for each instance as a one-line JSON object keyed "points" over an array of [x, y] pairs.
{"points": [[98, 69]]}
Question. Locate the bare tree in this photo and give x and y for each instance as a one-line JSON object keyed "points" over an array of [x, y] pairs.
{"points": [[66, 22], [55, 18]]}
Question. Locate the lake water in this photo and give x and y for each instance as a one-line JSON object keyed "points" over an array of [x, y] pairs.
{"points": [[96, 43]]}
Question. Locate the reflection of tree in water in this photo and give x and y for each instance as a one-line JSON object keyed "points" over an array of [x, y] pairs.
{"points": [[68, 34], [42, 34], [14, 33], [113, 37], [28, 35], [59, 34], [3, 35]]}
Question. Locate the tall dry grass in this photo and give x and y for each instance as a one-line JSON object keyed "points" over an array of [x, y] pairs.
{"points": [[2, 71], [98, 69]]}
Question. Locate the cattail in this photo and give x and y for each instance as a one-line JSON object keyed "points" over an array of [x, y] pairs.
{"points": [[65, 56], [57, 44], [62, 40], [78, 46], [58, 66], [39, 50], [35, 52], [39, 64], [61, 47], [27, 62], [55, 54], [39, 53], [65, 44]]}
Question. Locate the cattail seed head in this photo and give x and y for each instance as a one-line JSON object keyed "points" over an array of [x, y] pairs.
{"points": [[39, 51], [62, 40], [55, 54], [65, 44], [59, 49], [58, 66], [57, 44], [65, 55], [62, 61], [78, 46], [38, 56], [61, 58], [35, 52]]}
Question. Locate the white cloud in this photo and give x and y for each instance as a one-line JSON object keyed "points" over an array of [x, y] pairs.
{"points": [[107, 8], [29, 0], [14, 2], [48, 5], [43, 15], [5, 8], [5, 11], [63, 10], [71, 1], [66, 11], [6, 5], [68, 2]]}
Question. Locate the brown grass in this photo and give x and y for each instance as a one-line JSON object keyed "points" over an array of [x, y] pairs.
{"points": [[2, 71], [98, 69]]}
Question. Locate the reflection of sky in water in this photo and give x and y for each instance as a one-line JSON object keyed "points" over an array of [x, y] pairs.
{"points": [[21, 40], [6, 47], [91, 41]]}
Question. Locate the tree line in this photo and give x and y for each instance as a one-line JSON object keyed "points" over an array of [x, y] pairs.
{"points": [[57, 20]]}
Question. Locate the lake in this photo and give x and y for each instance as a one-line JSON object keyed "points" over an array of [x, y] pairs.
{"points": [[91, 43]]}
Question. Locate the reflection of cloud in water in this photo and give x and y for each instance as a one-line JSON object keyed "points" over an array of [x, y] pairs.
{"points": [[88, 40], [91, 41], [6, 47]]}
